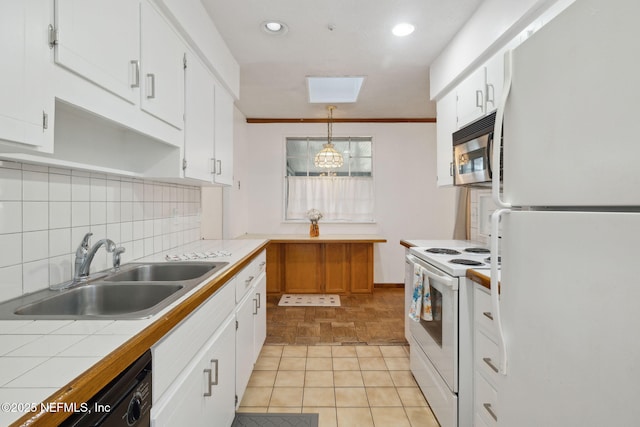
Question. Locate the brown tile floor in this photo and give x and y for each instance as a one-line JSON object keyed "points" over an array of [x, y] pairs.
{"points": [[361, 319], [350, 364]]}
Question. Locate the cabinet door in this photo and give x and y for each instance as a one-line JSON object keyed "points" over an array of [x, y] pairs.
{"points": [[99, 40], [199, 120], [260, 318], [495, 81], [205, 393], [303, 268], [244, 343], [162, 68], [445, 126], [26, 97], [223, 136], [361, 263], [471, 98], [336, 268]]}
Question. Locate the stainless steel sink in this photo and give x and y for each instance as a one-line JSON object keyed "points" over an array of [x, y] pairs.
{"points": [[136, 291], [102, 299], [164, 272]]}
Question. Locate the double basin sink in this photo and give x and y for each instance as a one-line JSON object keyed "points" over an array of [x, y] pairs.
{"points": [[135, 291]]}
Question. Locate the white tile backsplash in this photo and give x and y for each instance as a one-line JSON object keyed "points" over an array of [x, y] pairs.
{"points": [[45, 212]]}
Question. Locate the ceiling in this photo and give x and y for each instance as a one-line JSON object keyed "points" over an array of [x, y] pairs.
{"points": [[360, 43]]}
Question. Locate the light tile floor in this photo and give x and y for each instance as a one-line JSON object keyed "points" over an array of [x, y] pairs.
{"points": [[349, 386]]}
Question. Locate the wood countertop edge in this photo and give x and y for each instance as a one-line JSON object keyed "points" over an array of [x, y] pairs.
{"points": [[406, 244], [82, 388], [327, 240], [479, 278]]}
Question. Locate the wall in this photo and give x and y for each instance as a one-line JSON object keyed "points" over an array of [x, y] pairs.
{"points": [[45, 212], [408, 203]]}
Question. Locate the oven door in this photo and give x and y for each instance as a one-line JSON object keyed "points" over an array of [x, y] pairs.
{"points": [[438, 338]]}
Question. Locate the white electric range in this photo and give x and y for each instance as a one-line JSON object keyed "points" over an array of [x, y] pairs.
{"points": [[441, 347]]}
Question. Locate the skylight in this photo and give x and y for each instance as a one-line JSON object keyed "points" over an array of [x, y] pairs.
{"points": [[324, 90]]}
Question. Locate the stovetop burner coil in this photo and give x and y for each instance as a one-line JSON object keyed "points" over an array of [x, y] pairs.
{"points": [[477, 250], [465, 262], [442, 251]]}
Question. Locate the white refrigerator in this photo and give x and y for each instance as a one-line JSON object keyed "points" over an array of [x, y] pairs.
{"points": [[568, 309]]}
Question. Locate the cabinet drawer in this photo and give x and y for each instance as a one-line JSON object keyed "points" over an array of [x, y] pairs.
{"points": [[486, 355], [482, 309], [247, 277], [485, 400], [174, 351]]}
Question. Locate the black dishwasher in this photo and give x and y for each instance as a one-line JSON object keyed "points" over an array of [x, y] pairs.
{"points": [[125, 401]]}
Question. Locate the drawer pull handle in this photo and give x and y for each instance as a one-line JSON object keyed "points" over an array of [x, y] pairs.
{"points": [[215, 362], [258, 298], [208, 392], [488, 314], [255, 306], [249, 279], [489, 409], [489, 362], [262, 264], [211, 373]]}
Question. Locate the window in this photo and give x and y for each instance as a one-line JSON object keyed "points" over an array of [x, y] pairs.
{"points": [[343, 194]]}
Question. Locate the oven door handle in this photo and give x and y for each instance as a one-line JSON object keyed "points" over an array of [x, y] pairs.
{"points": [[435, 274]]}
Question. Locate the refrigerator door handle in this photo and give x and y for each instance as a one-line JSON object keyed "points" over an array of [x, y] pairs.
{"points": [[495, 287], [497, 132]]}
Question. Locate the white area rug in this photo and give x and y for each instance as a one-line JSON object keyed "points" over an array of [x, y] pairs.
{"points": [[310, 300]]}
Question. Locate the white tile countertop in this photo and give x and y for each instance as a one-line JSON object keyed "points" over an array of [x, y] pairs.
{"points": [[38, 357]]}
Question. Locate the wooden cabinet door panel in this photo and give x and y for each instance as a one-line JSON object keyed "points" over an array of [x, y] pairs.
{"points": [[336, 271], [361, 268], [302, 268]]}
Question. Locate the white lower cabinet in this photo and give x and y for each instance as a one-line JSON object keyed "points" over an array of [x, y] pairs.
{"points": [[201, 368], [485, 365], [204, 394], [260, 316], [251, 317]]}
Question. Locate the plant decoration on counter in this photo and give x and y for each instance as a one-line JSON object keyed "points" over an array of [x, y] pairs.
{"points": [[314, 216]]}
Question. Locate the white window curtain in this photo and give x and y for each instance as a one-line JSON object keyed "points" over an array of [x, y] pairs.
{"points": [[338, 198]]}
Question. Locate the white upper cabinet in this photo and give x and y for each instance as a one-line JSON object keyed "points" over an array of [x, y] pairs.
{"points": [[223, 136], [199, 128], [26, 103], [445, 126], [472, 95], [162, 68], [100, 40]]}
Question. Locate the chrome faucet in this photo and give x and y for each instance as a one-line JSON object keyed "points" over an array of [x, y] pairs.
{"points": [[84, 256]]}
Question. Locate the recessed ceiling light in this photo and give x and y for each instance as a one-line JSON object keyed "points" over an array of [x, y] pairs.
{"points": [[274, 27], [403, 29]]}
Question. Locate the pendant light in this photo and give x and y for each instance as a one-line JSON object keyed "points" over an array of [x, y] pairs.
{"points": [[328, 157]]}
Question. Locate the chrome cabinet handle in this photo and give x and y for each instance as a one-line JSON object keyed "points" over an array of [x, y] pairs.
{"points": [[215, 362], [218, 167], [488, 314], [152, 79], [213, 166], [489, 409], [450, 168], [136, 73], [489, 362], [249, 279], [255, 306], [258, 298], [479, 99], [208, 392], [491, 90], [263, 263], [211, 373]]}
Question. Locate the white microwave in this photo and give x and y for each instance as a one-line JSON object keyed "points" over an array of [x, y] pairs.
{"points": [[472, 151]]}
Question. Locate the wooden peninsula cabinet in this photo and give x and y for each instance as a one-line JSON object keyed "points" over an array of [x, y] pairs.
{"points": [[312, 265]]}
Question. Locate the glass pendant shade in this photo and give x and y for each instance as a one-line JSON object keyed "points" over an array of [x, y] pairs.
{"points": [[328, 157]]}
